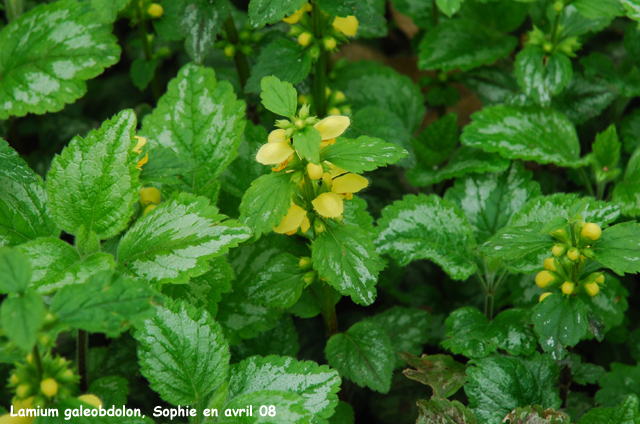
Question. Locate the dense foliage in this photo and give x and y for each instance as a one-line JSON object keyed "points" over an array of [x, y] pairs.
{"points": [[322, 212]]}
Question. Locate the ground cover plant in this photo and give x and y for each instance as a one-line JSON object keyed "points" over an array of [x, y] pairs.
{"points": [[324, 212]]}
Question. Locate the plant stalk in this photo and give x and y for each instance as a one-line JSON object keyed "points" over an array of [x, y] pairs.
{"points": [[36, 360], [148, 52], [242, 64], [320, 78], [435, 17], [587, 182], [14, 9], [328, 308], [82, 351]]}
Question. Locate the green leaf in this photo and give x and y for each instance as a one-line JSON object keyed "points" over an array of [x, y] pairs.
{"points": [[449, 7], [106, 302], [355, 213], [560, 321], [542, 135], [444, 375], [490, 200], [24, 212], [107, 10], [307, 144], [48, 53], [606, 154], [584, 99], [510, 331], [364, 355], [183, 354], [615, 386], [142, 72], [632, 8], [167, 167], [466, 333], [177, 240], [540, 76], [610, 304], [287, 408], [438, 141], [368, 83], [407, 328], [111, 390], [462, 44], [346, 257], [594, 9], [279, 284], [363, 154], [465, 160], [266, 202], [375, 122], [201, 21], [627, 195], [241, 319], [22, 318], [282, 340], [618, 248], [317, 384], [262, 12], [344, 414], [584, 373], [15, 271], [630, 131], [285, 60], [94, 182], [205, 291], [200, 119], [237, 178], [445, 412], [536, 415], [625, 413], [499, 384], [278, 96], [427, 227], [57, 264]]}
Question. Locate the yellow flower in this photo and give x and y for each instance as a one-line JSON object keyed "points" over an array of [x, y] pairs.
{"points": [[543, 296], [17, 406], [549, 264], [150, 195], [346, 185], [544, 278], [332, 127], [573, 254], [295, 18], [304, 39], [277, 135], [141, 142], [591, 231], [600, 279], [274, 153], [334, 171], [142, 161], [567, 287], [347, 26], [329, 205], [155, 10], [314, 171], [91, 400], [294, 219], [49, 387], [149, 209], [558, 250], [592, 289], [330, 43]]}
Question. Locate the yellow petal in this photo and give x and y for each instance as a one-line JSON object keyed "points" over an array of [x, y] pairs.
{"points": [[350, 183], [335, 171], [293, 19], [329, 205], [141, 142], [91, 400], [150, 195], [142, 161], [292, 220], [332, 126], [274, 153], [315, 171], [305, 224], [277, 135], [347, 26]]}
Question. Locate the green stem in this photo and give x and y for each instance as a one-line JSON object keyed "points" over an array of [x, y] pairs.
{"points": [[14, 9], [328, 309], [148, 52], [242, 64], [587, 182], [36, 360], [554, 30], [320, 77], [82, 350], [435, 17], [600, 188]]}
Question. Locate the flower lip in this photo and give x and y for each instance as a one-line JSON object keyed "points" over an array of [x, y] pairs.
{"points": [[329, 205], [348, 26], [274, 153], [292, 220], [333, 126], [349, 183]]}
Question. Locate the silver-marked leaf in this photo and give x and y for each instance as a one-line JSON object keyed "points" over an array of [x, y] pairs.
{"points": [[465, 160], [362, 154], [427, 227], [444, 411], [199, 118], [317, 384], [47, 54], [183, 354], [262, 12], [106, 302], [93, 183], [560, 321], [24, 213], [625, 412], [177, 239], [287, 408], [107, 10], [490, 200], [282, 340], [242, 319], [534, 133], [56, 264], [201, 21], [346, 257], [462, 44], [279, 284], [364, 355], [540, 76]]}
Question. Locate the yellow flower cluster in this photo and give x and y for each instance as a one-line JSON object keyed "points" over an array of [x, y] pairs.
{"points": [[340, 28], [570, 255], [327, 184]]}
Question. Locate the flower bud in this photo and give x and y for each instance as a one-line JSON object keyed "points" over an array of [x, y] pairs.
{"points": [[14, 380], [318, 226], [305, 263], [155, 10], [23, 391], [315, 52], [558, 250], [560, 235], [314, 171], [558, 6], [543, 296], [329, 43], [544, 278], [309, 277], [91, 400], [573, 254], [600, 279], [229, 50], [567, 287], [140, 144], [302, 99], [150, 195], [304, 39], [592, 289], [339, 96], [549, 264], [149, 209], [334, 111], [49, 387], [591, 231]]}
